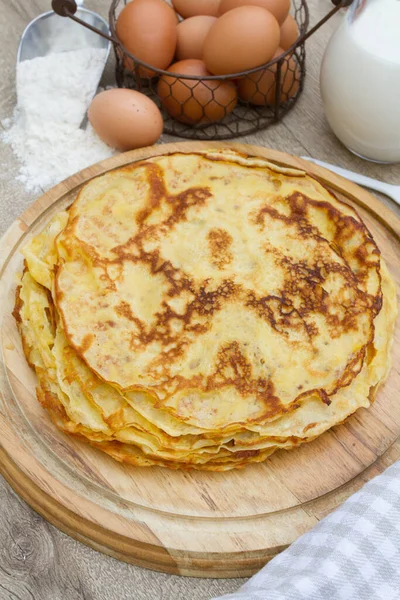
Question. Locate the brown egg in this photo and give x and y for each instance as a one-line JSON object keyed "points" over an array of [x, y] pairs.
{"points": [[260, 87], [191, 35], [243, 38], [194, 102], [279, 8], [289, 33], [147, 29], [125, 119], [192, 8]]}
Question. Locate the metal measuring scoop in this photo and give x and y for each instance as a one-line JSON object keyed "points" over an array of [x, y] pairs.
{"points": [[51, 32]]}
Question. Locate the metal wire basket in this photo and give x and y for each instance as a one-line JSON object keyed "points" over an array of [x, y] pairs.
{"points": [[266, 93]]}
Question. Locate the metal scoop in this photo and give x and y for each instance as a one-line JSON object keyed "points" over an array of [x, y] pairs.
{"points": [[50, 33]]}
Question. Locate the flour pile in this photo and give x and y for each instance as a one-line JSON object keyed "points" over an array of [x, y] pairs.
{"points": [[53, 94]]}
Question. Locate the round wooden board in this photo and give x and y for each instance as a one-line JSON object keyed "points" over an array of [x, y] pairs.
{"points": [[200, 524]]}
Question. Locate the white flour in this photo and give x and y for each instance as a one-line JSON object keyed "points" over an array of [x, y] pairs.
{"points": [[53, 94]]}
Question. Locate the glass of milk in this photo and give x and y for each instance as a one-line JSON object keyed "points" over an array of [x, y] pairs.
{"points": [[360, 80]]}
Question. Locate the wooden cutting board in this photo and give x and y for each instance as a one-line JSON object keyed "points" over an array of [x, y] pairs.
{"points": [[200, 524]]}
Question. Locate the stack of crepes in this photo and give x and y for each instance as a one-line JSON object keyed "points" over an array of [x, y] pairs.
{"points": [[204, 310]]}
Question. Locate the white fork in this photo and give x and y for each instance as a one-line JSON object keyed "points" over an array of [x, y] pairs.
{"points": [[390, 190]]}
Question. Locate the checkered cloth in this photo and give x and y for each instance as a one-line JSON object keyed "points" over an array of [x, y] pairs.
{"points": [[353, 554]]}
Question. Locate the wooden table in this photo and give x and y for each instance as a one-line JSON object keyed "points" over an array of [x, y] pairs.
{"points": [[36, 560]]}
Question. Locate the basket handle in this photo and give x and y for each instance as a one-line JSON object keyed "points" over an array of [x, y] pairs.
{"points": [[338, 5], [68, 8]]}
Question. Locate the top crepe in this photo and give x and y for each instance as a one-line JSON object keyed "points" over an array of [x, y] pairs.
{"points": [[222, 300], [196, 278]]}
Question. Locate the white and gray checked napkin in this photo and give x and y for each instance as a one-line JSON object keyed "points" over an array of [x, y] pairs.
{"points": [[353, 554]]}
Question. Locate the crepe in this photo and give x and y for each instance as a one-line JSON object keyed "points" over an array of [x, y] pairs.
{"points": [[203, 310]]}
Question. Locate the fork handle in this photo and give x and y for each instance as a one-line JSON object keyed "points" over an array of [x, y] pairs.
{"points": [[373, 184]]}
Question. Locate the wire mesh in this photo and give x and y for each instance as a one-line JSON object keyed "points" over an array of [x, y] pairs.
{"points": [[219, 107]]}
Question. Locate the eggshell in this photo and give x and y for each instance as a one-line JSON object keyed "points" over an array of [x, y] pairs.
{"points": [[191, 8], [259, 88], [279, 8], [147, 29], [125, 119], [241, 39], [289, 33], [194, 102], [191, 35]]}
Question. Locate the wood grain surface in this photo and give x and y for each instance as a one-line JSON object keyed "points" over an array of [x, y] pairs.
{"points": [[172, 521], [37, 560]]}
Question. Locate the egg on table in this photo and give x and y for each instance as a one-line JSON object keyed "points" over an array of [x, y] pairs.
{"points": [[125, 119], [192, 101], [260, 87], [241, 39], [147, 29], [191, 8], [192, 33], [279, 8]]}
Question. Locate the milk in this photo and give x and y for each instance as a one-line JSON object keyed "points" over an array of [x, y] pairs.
{"points": [[360, 80]]}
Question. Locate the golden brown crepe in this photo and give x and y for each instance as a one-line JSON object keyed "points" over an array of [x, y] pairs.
{"points": [[203, 310]]}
